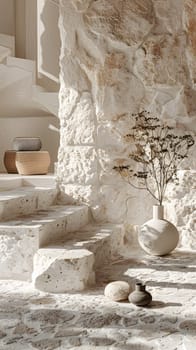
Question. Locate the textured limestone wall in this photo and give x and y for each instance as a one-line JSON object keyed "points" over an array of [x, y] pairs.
{"points": [[118, 57], [180, 208]]}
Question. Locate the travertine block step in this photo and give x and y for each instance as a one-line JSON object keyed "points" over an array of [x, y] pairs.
{"points": [[14, 181], [59, 270], [70, 264], [104, 240], [22, 237], [25, 200]]}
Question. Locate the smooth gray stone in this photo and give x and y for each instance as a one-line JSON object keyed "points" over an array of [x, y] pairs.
{"points": [[26, 144]]}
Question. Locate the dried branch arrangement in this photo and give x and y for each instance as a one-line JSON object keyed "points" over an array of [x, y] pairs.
{"points": [[158, 152]]}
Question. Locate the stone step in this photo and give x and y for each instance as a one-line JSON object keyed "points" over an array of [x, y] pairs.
{"points": [[21, 238], [12, 75], [25, 64], [25, 200], [4, 53], [16, 85], [104, 240], [13, 181], [49, 100], [70, 264], [10, 181], [59, 270], [8, 41]]}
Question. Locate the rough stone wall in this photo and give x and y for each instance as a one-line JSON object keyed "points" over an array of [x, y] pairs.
{"points": [[118, 57], [181, 207]]}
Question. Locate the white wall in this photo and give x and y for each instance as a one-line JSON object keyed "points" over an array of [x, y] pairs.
{"points": [[13, 127]]}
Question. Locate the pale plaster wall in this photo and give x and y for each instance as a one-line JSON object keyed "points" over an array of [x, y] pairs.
{"points": [[20, 30], [31, 29], [7, 17], [118, 57], [26, 29]]}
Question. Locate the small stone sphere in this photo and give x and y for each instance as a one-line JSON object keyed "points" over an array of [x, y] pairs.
{"points": [[118, 290]]}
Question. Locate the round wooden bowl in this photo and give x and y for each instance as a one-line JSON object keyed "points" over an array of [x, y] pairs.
{"points": [[10, 162], [32, 162]]}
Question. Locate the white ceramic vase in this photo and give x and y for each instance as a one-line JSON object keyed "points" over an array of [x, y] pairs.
{"points": [[158, 236]]}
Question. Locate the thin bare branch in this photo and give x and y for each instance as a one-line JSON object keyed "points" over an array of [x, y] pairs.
{"points": [[158, 153]]}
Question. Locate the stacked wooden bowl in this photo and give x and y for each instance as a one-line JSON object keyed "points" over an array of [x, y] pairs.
{"points": [[26, 157]]}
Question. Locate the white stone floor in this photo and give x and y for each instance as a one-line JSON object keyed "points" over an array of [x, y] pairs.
{"points": [[31, 320]]}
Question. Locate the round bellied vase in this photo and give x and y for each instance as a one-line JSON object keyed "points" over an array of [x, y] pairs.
{"points": [[140, 296], [158, 236]]}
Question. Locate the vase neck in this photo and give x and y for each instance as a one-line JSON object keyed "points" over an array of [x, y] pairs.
{"points": [[140, 287], [158, 212]]}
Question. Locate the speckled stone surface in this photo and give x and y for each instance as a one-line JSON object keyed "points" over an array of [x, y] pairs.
{"points": [[21, 237], [70, 264], [33, 320], [25, 200]]}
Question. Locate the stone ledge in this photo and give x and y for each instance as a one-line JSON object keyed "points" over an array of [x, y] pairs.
{"points": [[14, 181], [47, 224], [25, 200], [104, 240]]}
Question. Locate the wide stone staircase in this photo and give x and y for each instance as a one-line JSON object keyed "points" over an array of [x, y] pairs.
{"points": [[56, 246]]}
